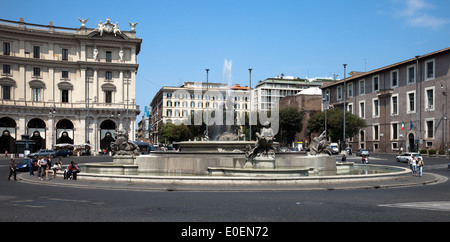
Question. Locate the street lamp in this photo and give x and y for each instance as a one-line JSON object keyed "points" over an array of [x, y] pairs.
{"points": [[250, 116], [324, 99], [445, 114], [345, 104], [207, 106]]}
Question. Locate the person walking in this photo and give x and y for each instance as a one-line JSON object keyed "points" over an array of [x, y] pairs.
{"points": [[413, 164], [420, 166], [12, 169], [31, 166], [43, 164]]}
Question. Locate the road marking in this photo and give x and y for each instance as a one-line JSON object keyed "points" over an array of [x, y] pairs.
{"points": [[435, 206]]}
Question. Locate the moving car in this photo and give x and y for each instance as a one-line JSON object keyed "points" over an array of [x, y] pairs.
{"points": [[406, 156], [42, 153], [362, 152], [334, 148], [23, 165]]}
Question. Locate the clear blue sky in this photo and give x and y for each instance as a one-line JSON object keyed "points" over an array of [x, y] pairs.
{"points": [[296, 37]]}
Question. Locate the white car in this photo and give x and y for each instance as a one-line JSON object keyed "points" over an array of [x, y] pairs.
{"points": [[334, 148], [405, 157]]}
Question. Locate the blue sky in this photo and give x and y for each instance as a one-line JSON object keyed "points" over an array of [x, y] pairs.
{"points": [[181, 38]]}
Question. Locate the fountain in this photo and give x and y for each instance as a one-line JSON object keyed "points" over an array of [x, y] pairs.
{"points": [[226, 159]]}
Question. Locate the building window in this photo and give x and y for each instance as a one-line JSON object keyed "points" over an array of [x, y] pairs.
{"points": [[339, 93], [65, 74], [376, 132], [394, 79], [411, 102], [350, 108], [108, 75], [362, 87], [6, 69], [376, 83], [169, 113], [429, 99], [64, 96], [36, 94], [411, 74], [36, 71], [108, 96], [169, 103], [6, 92], [350, 90], [394, 131], [36, 52], [6, 48], [394, 105], [376, 108], [108, 56], [65, 54], [429, 70], [429, 126], [361, 109]]}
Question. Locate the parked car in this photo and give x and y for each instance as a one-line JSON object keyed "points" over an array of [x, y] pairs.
{"points": [[23, 165], [362, 152], [334, 148], [405, 157], [42, 153], [64, 153]]}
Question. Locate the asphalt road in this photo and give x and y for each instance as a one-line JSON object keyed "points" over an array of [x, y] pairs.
{"points": [[21, 201]]}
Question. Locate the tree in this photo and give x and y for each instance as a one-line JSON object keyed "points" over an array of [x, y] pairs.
{"points": [[290, 124], [335, 124], [175, 133]]}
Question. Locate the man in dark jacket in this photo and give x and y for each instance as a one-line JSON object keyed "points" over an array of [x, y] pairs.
{"points": [[12, 169]]}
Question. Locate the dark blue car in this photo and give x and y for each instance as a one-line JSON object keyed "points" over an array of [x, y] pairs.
{"points": [[23, 165]]}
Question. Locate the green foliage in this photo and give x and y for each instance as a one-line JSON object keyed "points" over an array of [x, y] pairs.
{"points": [[290, 124], [335, 124], [175, 133]]}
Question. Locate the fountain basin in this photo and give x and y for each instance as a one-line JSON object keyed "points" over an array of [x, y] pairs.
{"points": [[221, 171], [213, 146], [197, 163]]}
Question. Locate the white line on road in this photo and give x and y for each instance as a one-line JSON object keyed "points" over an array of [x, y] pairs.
{"points": [[435, 206]]}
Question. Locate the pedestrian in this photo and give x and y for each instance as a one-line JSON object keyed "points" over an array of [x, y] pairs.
{"points": [[344, 158], [31, 167], [367, 159], [413, 164], [12, 169], [420, 166], [363, 159], [43, 164], [38, 162]]}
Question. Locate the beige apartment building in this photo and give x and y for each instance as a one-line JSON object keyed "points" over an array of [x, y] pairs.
{"points": [[190, 101], [66, 85]]}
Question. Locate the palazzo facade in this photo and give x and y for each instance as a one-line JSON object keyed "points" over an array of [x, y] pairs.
{"points": [[66, 85]]}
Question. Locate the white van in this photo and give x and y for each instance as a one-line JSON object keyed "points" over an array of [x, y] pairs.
{"points": [[334, 148]]}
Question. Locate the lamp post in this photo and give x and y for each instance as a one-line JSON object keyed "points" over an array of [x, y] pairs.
{"points": [[250, 116], [324, 99], [445, 93], [207, 106], [345, 105]]}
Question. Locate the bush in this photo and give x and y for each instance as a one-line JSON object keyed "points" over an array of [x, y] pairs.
{"points": [[423, 152], [441, 152], [431, 152]]}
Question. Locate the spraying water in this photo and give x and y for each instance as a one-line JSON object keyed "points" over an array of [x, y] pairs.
{"points": [[226, 75]]}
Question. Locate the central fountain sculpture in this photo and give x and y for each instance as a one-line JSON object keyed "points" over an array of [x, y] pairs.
{"points": [[263, 154], [225, 154]]}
